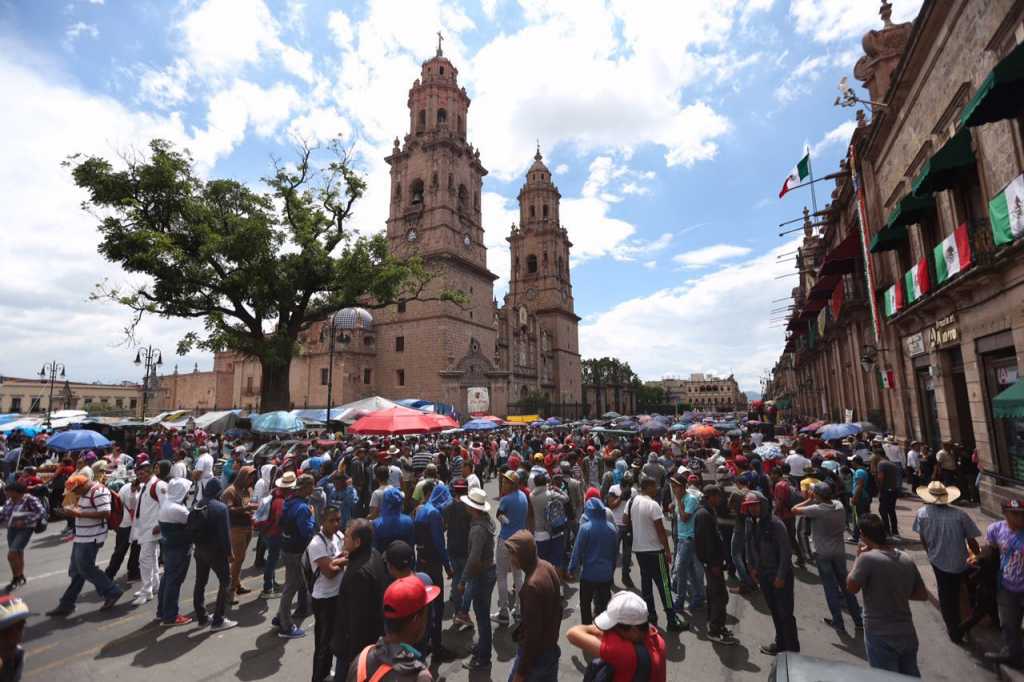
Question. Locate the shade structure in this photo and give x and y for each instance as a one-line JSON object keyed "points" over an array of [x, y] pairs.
{"points": [[1010, 403], [217, 422], [838, 431], [702, 431], [679, 427], [350, 412], [277, 422], [812, 427], [868, 426], [908, 211], [653, 429], [611, 415], [842, 259], [77, 439], [443, 420], [491, 417], [396, 421], [479, 425], [999, 95], [942, 170]]}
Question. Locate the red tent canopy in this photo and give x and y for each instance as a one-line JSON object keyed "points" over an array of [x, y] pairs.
{"points": [[396, 421]]}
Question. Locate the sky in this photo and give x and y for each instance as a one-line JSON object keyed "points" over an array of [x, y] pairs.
{"points": [[669, 127]]}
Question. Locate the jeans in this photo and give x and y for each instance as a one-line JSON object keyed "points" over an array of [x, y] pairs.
{"points": [[503, 567], [434, 570], [738, 551], [294, 584], [780, 603], [594, 598], [83, 567], [832, 572], [626, 553], [887, 510], [323, 657], [460, 600], [653, 570], [717, 598], [545, 666], [552, 551], [949, 587], [482, 589], [860, 508], [176, 561], [898, 655], [1011, 608], [124, 546], [270, 563], [213, 559], [803, 538], [689, 575], [149, 567]]}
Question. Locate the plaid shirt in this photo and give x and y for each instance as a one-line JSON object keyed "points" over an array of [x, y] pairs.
{"points": [[25, 513]]}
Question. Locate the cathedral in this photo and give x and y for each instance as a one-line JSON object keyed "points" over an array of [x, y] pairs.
{"points": [[478, 356]]}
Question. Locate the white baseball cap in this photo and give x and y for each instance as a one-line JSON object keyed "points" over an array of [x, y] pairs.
{"points": [[625, 608]]}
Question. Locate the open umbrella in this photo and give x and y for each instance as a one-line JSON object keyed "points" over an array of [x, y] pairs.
{"points": [[734, 433], [77, 439], [812, 427], [702, 431], [769, 451], [610, 415], [653, 429], [868, 426], [553, 421], [277, 422], [479, 425], [838, 431], [678, 427], [397, 421]]}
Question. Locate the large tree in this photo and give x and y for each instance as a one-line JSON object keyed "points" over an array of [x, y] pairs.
{"points": [[256, 268]]}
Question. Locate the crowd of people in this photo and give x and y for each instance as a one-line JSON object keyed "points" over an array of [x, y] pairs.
{"points": [[370, 532]]}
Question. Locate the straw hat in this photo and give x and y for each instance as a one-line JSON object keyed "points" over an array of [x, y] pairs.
{"points": [[477, 499], [287, 481], [936, 493]]}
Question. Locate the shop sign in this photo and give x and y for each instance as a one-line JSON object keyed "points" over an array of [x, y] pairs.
{"points": [[478, 399], [915, 345], [1006, 376], [944, 333], [848, 415]]}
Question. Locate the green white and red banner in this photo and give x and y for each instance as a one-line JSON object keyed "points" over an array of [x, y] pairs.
{"points": [[894, 299], [1007, 213], [865, 243], [917, 282], [953, 255], [801, 171]]}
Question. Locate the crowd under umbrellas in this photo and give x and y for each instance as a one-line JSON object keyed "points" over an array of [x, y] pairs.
{"points": [[708, 485]]}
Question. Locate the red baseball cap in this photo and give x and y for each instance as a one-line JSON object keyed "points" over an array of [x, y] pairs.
{"points": [[591, 493], [406, 596]]}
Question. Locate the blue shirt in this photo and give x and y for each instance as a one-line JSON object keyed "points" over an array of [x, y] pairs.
{"points": [[684, 529], [514, 508], [859, 475], [945, 530]]}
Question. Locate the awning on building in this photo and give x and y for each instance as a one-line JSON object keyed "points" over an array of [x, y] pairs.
{"points": [[1010, 403], [908, 211], [888, 238], [823, 288], [842, 259], [999, 95], [941, 171]]}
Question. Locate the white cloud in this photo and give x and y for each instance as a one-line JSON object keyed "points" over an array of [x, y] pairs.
{"points": [[838, 19], [709, 255], [841, 134], [651, 264], [168, 87], [498, 214], [490, 8], [667, 325], [77, 29], [340, 27], [635, 248], [561, 169], [320, 124]]}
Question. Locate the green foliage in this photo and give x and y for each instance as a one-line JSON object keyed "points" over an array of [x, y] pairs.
{"points": [[256, 267], [608, 372], [650, 395]]}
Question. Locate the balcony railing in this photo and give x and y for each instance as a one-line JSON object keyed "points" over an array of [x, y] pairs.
{"points": [[983, 248]]}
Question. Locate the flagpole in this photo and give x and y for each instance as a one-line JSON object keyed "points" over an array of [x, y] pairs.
{"points": [[810, 174]]}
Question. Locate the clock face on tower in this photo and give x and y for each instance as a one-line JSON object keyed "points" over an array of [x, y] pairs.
{"points": [[411, 235]]}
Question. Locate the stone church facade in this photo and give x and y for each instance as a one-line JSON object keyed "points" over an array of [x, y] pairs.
{"points": [[432, 349]]}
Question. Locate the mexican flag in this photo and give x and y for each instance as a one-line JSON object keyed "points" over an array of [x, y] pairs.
{"points": [[800, 172], [1007, 213], [953, 254], [917, 282], [893, 300]]}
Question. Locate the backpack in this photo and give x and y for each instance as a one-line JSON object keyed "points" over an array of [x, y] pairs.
{"points": [[599, 670], [40, 526], [555, 514], [310, 572], [116, 514], [198, 523]]}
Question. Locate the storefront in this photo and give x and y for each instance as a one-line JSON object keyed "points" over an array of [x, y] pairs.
{"points": [[999, 372]]}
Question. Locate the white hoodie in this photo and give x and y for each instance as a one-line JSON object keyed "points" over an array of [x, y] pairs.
{"points": [[148, 515], [265, 485], [171, 508]]}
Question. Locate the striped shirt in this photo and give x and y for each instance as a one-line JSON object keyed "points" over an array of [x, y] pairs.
{"points": [[96, 500], [420, 461]]}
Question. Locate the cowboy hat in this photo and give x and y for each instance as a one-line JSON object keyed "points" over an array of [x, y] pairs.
{"points": [[393, 450], [936, 493], [476, 498], [288, 480]]}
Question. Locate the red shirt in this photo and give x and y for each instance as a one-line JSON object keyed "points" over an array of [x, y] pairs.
{"points": [[621, 656], [782, 493]]}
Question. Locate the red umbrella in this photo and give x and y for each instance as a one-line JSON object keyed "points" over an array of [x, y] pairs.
{"points": [[396, 421], [443, 420], [702, 431]]}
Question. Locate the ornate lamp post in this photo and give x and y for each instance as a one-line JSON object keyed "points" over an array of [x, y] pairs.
{"points": [[346, 319], [151, 358], [50, 372]]}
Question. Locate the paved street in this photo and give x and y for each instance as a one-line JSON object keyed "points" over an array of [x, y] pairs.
{"points": [[128, 644]]}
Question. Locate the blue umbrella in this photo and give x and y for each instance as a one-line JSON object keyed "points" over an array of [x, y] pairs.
{"points": [[679, 427], [537, 423], [838, 431], [277, 422], [553, 421], [769, 451], [479, 425], [78, 439], [654, 428]]}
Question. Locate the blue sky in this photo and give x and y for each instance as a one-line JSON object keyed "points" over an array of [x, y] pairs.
{"points": [[669, 127]]}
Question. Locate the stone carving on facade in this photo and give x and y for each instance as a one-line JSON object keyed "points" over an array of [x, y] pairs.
{"points": [[882, 51]]}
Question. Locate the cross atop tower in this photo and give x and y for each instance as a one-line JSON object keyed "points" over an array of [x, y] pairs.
{"points": [[439, 39], [537, 156]]}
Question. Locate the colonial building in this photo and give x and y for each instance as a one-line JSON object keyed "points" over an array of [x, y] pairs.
{"points": [[908, 310], [428, 348], [32, 397], [703, 392]]}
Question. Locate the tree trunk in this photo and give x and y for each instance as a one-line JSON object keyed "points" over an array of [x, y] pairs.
{"points": [[275, 391]]}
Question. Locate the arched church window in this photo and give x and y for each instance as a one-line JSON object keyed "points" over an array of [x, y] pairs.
{"points": [[462, 197], [421, 122], [533, 211], [545, 211], [442, 118], [417, 192], [531, 263]]}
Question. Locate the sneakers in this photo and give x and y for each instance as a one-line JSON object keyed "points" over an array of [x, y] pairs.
{"points": [[141, 600], [475, 663], [60, 612], [294, 633], [16, 582], [224, 624], [180, 620], [725, 636], [202, 621], [111, 601], [462, 621], [678, 626], [242, 590], [501, 617], [769, 650], [269, 594]]}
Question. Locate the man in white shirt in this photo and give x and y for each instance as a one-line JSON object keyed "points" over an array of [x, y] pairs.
{"points": [[757, 438], [202, 472], [324, 554], [653, 552], [129, 495], [146, 530], [797, 464], [914, 462]]}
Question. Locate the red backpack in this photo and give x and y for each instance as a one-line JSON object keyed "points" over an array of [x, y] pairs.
{"points": [[116, 514], [271, 527]]}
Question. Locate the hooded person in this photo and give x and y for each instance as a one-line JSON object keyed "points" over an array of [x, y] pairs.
{"points": [[392, 524], [540, 599], [595, 550], [175, 545], [240, 510], [613, 477], [770, 557], [211, 533], [265, 484], [432, 556]]}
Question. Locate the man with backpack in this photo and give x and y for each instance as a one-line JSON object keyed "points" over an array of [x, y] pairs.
{"points": [[549, 521], [267, 521], [297, 528], [394, 657], [209, 525], [326, 566], [622, 642], [90, 511]]}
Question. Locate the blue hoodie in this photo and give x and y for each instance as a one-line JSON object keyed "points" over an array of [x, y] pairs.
{"points": [[430, 544], [596, 545], [344, 499], [392, 524], [297, 525]]}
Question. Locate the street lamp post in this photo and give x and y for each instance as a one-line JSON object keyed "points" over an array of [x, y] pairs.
{"points": [[346, 319], [50, 372], [151, 358]]}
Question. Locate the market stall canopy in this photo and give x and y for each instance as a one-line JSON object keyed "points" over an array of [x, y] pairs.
{"points": [[174, 416], [349, 413], [1010, 403], [417, 404], [24, 423], [396, 421], [217, 422], [277, 422], [479, 425], [942, 171], [999, 95]]}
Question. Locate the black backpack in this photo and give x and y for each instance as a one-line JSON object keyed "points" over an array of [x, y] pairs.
{"points": [[198, 524]]}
